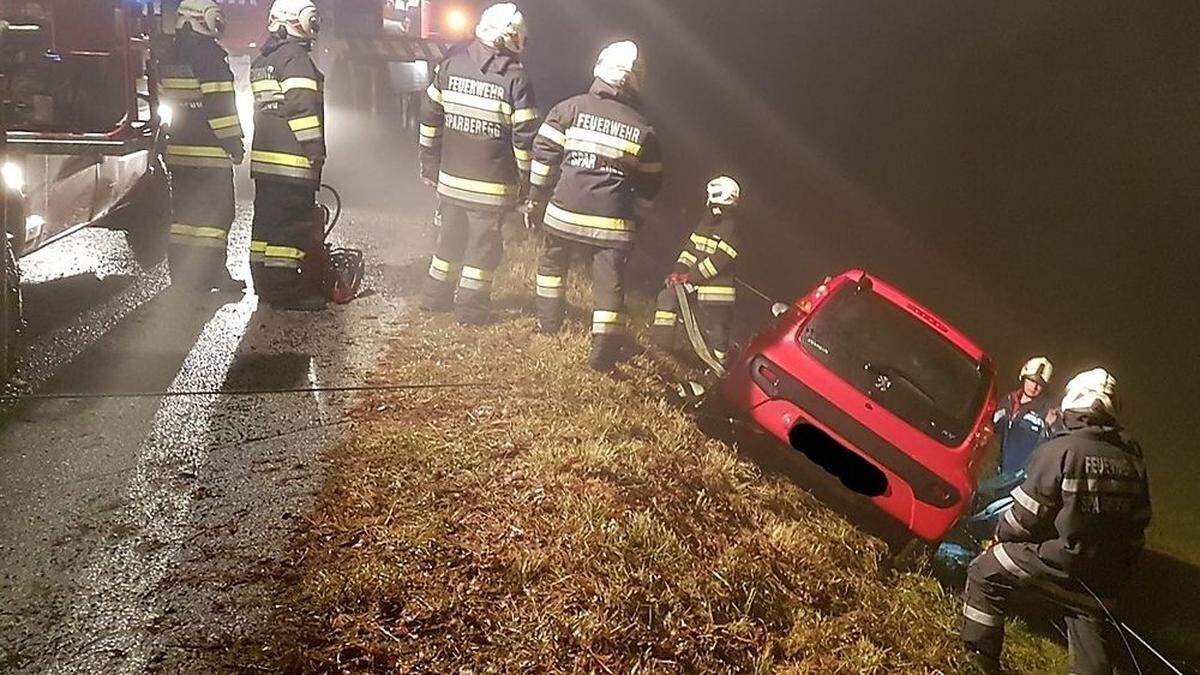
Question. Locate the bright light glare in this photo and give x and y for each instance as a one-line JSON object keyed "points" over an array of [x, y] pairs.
{"points": [[33, 226], [457, 20], [165, 114], [245, 110], [14, 176]]}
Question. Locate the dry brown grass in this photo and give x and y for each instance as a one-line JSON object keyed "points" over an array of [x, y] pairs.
{"points": [[558, 520]]}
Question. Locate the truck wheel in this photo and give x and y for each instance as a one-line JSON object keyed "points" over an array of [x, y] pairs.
{"points": [[150, 219], [11, 313]]}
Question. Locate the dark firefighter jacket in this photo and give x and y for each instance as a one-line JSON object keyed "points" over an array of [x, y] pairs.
{"points": [[1020, 429], [1084, 506], [289, 113], [478, 120], [708, 258], [195, 82], [599, 155]]}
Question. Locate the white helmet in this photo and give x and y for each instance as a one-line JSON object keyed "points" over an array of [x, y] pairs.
{"points": [[502, 26], [204, 16], [1039, 369], [724, 191], [298, 17], [1092, 391], [620, 66]]}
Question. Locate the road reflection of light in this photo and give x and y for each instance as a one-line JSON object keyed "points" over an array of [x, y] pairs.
{"points": [[314, 380], [110, 602], [88, 251], [238, 254]]}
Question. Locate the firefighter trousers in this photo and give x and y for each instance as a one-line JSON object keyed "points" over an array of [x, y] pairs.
{"points": [[203, 210], [469, 249], [713, 318], [281, 237], [608, 285], [996, 578]]}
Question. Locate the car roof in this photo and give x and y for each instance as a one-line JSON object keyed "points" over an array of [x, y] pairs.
{"points": [[921, 312]]}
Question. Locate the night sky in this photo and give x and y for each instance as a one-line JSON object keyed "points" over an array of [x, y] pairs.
{"points": [[1027, 169]]}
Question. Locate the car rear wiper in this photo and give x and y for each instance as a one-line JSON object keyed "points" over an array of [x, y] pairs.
{"points": [[891, 371]]}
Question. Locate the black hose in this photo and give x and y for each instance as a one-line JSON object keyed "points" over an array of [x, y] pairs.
{"points": [[337, 208]]}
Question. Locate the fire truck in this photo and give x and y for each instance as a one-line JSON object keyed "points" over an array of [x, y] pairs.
{"points": [[378, 54], [81, 133], [82, 129], [402, 29]]}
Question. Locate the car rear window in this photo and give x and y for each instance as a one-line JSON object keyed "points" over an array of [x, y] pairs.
{"points": [[898, 361]]}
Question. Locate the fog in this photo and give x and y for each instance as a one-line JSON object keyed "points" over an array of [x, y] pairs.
{"points": [[1026, 169]]}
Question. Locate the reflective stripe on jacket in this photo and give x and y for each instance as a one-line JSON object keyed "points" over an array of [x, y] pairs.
{"points": [[595, 157], [196, 84], [709, 255], [478, 120], [1085, 504], [289, 113]]}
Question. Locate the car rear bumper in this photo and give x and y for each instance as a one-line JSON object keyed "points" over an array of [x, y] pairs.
{"points": [[927, 503]]}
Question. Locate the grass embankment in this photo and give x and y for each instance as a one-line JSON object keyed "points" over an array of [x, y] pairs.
{"points": [[560, 520]]}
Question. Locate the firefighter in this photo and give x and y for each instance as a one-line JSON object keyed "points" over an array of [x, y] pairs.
{"points": [[1072, 535], [595, 157], [705, 267], [1024, 417], [286, 159], [477, 127], [204, 141]]}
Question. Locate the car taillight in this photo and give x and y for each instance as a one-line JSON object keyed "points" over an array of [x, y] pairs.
{"points": [[809, 301], [985, 434]]}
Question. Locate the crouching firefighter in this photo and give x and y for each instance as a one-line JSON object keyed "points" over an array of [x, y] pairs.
{"points": [[595, 157], [204, 141], [705, 267], [1072, 536], [477, 126], [286, 159]]}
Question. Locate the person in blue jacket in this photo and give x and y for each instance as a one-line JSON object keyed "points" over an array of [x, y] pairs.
{"points": [[1024, 417]]}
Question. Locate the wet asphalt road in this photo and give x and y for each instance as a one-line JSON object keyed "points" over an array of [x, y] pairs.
{"points": [[131, 528]]}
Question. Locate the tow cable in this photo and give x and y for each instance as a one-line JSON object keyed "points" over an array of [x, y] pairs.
{"points": [[243, 392], [1124, 628]]}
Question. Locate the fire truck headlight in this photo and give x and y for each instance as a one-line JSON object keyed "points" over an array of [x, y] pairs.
{"points": [[457, 21], [14, 177], [165, 114]]}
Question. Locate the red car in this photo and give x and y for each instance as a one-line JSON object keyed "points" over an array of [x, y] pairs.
{"points": [[879, 391]]}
